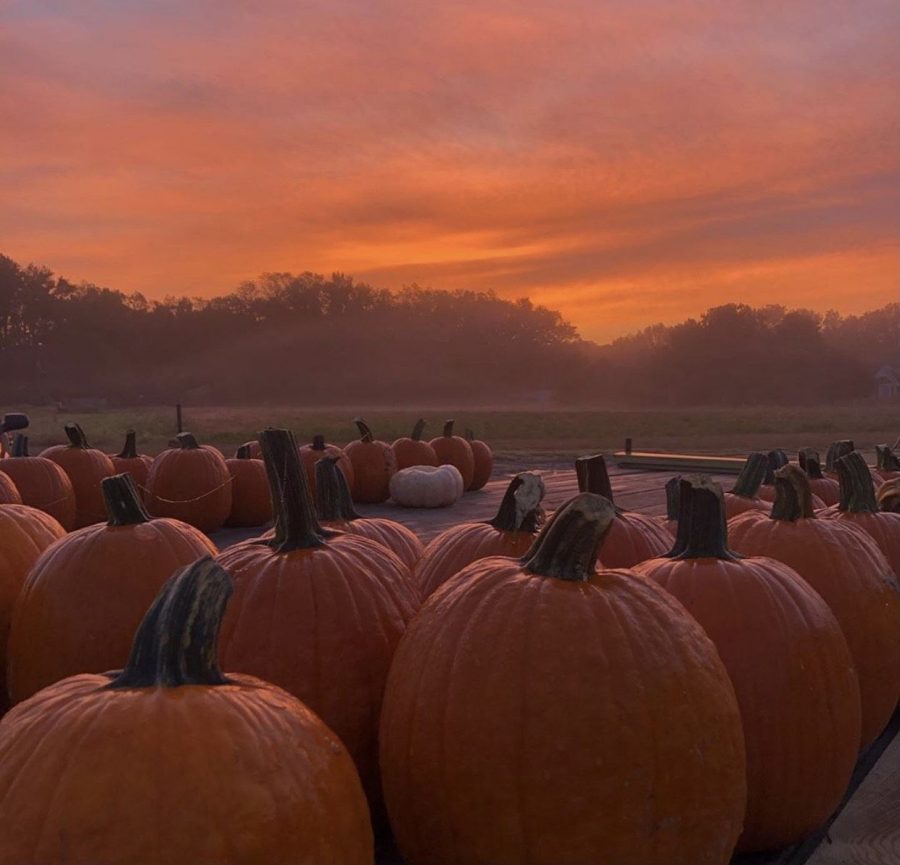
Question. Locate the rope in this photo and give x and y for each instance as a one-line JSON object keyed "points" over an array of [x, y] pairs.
{"points": [[152, 496]]}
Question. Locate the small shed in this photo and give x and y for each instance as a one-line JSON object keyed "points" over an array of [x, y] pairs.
{"points": [[887, 382]]}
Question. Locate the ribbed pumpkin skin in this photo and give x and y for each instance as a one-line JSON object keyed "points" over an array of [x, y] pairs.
{"points": [[43, 485], [251, 501], [373, 464], [883, 527], [24, 534], [767, 494], [484, 464], [455, 451], [310, 455], [529, 719], [138, 467], [192, 485], [237, 774], [401, 541], [85, 597], [322, 623], [826, 489], [795, 684], [735, 505], [413, 452], [86, 468], [634, 538], [9, 494], [846, 568], [457, 547]]}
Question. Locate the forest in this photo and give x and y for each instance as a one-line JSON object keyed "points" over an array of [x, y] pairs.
{"points": [[309, 339]]}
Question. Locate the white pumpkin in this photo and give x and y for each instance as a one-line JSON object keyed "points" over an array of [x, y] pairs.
{"points": [[426, 486]]}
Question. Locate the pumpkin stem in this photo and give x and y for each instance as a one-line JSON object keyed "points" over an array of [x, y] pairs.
{"points": [[76, 436], [673, 497], [448, 428], [333, 499], [675, 489], [186, 441], [243, 453], [568, 545], [129, 451], [809, 462], [365, 434], [703, 507], [835, 451], [20, 445], [593, 477], [774, 460], [857, 488], [520, 509], [752, 475], [296, 526], [175, 644], [417, 430], [123, 503], [318, 443], [793, 495], [886, 459], [469, 435]]}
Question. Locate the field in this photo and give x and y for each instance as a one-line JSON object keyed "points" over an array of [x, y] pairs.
{"points": [[542, 436]]}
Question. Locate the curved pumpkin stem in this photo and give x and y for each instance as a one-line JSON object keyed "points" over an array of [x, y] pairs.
{"points": [[76, 436], [568, 546], [835, 451], [417, 430], [296, 526], [886, 459], [175, 643], [809, 462], [520, 508], [123, 503], [753, 473], [187, 441], [775, 459], [593, 477], [448, 428], [20, 445], [333, 499], [129, 451], [857, 488], [793, 496], [365, 434], [703, 512]]}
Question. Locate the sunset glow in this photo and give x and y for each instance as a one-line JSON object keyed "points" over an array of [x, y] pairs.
{"points": [[623, 162]]}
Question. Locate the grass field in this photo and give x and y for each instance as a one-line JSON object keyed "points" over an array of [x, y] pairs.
{"points": [[545, 434]]}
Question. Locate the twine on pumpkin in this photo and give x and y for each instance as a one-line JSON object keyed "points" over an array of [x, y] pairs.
{"points": [[157, 498]]}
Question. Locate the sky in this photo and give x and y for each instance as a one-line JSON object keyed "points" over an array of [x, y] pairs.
{"points": [[623, 161]]}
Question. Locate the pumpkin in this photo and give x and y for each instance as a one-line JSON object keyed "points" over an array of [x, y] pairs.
{"points": [[484, 461], [130, 461], [254, 448], [169, 760], [84, 597], [845, 566], [790, 665], [888, 496], [539, 711], [427, 486], [334, 509], [317, 612], [836, 451], [86, 467], [41, 483], [250, 501], [412, 451], [310, 454], [373, 464], [510, 533], [827, 489], [455, 451], [859, 506], [744, 495], [25, 533], [888, 463], [190, 483], [9, 493], [633, 537]]}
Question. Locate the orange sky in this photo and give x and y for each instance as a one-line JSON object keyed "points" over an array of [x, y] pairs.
{"points": [[625, 161]]}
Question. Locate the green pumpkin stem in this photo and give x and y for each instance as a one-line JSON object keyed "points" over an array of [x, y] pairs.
{"points": [[568, 545], [448, 428], [417, 430], [123, 502], [857, 487], [704, 511], [365, 434], [333, 500], [753, 473], [809, 462], [129, 451], [20, 445], [175, 643], [76, 436], [187, 441], [835, 451], [593, 477], [775, 459], [296, 526], [520, 508], [793, 495]]}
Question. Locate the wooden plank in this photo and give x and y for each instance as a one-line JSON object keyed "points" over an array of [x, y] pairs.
{"points": [[678, 462]]}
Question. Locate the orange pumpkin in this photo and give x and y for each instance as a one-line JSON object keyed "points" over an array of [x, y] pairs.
{"points": [[888, 496], [310, 454], [412, 451], [539, 711], [790, 665], [42, 483], [317, 612], [251, 504], [130, 461], [510, 533], [888, 463], [190, 483], [484, 461], [455, 451], [9, 493], [86, 468], [633, 537], [253, 447], [171, 761], [844, 565], [86, 595], [827, 489], [373, 464], [744, 495]]}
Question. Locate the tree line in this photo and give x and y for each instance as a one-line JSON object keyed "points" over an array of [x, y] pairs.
{"points": [[316, 340]]}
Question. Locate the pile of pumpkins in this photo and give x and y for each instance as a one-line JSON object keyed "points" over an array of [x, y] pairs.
{"points": [[593, 685]]}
